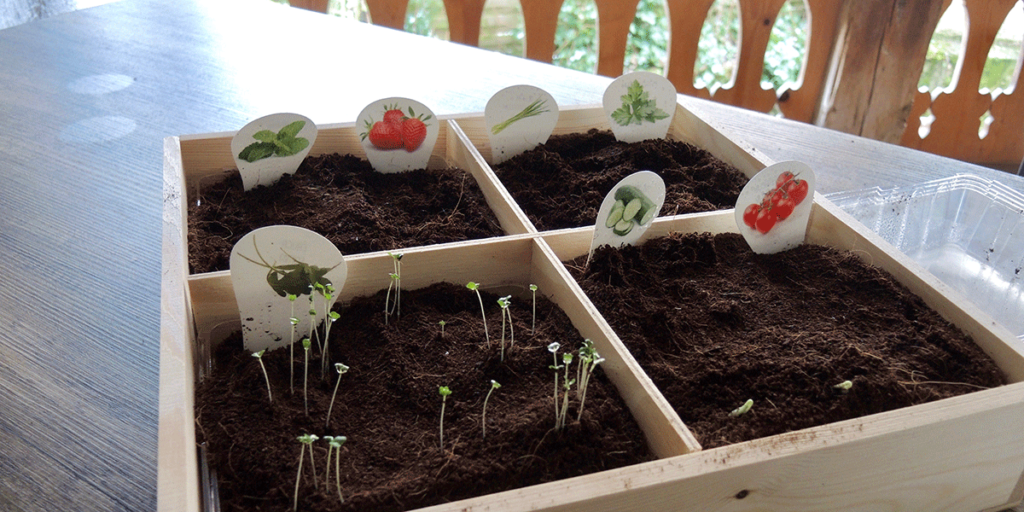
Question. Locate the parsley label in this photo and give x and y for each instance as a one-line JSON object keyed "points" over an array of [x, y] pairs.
{"points": [[637, 107]]}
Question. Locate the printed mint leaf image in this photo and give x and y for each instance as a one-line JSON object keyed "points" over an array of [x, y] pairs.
{"points": [[291, 130], [257, 151], [637, 107], [282, 143]]}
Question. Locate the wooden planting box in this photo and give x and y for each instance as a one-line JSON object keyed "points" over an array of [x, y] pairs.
{"points": [[964, 453]]}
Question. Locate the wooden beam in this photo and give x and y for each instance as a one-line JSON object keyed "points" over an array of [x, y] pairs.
{"points": [[879, 52]]}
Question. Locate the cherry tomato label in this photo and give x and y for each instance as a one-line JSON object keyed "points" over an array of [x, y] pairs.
{"points": [[270, 147], [773, 209], [640, 106], [273, 262], [518, 118], [397, 134], [628, 210]]}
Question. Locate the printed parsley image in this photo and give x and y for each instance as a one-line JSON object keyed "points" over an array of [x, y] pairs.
{"points": [[637, 107]]}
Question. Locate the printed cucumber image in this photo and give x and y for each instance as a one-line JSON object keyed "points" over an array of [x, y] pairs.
{"points": [[632, 207]]}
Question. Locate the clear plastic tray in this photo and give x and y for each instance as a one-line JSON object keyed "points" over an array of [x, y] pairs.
{"points": [[967, 231]]}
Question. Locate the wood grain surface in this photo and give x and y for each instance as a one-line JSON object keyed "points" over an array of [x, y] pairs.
{"points": [[86, 100]]}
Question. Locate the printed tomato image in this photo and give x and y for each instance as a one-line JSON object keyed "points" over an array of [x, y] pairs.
{"points": [[397, 130], [777, 204]]}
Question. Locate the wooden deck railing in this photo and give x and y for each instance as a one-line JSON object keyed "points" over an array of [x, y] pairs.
{"points": [[860, 73]]}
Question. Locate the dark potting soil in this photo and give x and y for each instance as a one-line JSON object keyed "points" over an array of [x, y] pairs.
{"points": [[714, 324], [344, 199], [389, 408], [561, 184]]}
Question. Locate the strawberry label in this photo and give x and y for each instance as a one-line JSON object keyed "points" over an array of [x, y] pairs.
{"points": [[640, 106], [280, 273], [518, 118], [398, 134], [774, 207], [628, 210], [272, 146]]}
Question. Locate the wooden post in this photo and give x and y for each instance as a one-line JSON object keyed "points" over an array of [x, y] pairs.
{"points": [[464, 20], [311, 5], [876, 64]]}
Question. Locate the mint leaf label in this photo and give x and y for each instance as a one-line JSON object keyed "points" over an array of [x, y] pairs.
{"points": [[640, 106], [271, 146]]}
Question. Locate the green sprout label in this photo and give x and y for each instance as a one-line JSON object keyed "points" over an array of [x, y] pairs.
{"points": [[518, 118]]}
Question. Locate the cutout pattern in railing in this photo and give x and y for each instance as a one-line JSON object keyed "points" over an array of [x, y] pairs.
{"points": [[958, 109]]}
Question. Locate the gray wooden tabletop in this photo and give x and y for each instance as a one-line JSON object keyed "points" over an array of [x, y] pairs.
{"points": [[85, 101]]}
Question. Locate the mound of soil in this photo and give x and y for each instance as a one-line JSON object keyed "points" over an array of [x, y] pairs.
{"points": [[389, 408], [714, 324], [560, 184], [344, 199]]}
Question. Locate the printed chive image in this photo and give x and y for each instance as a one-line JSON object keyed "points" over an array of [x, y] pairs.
{"points": [[637, 107], [631, 207], [282, 143], [533, 109]]}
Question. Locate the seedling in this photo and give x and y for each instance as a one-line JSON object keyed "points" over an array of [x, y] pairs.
{"points": [[743, 409], [476, 288], [589, 359], [553, 348], [341, 369], [259, 357], [505, 302], [533, 323], [327, 291], [334, 444], [291, 344], [566, 387], [483, 417], [442, 323], [312, 324], [306, 440], [394, 308], [844, 386], [444, 392], [305, 375]]}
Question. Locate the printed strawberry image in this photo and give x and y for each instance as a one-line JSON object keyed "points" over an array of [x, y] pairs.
{"points": [[397, 129], [778, 203]]}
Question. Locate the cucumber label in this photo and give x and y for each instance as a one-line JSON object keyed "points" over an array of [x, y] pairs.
{"points": [[628, 210], [272, 146], [519, 118], [774, 207], [397, 134], [272, 264]]}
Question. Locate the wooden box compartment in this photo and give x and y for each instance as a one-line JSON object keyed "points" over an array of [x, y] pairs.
{"points": [[964, 453]]}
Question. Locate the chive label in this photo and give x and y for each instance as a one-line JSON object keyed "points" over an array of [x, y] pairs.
{"points": [[628, 210], [273, 263], [640, 106], [774, 208], [519, 118], [272, 146]]}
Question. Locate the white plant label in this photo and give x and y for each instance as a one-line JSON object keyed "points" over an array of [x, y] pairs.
{"points": [[774, 207], [273, 262], [398, 134], [640, 106], [519, 118], [628, 210], [272, 146]]}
